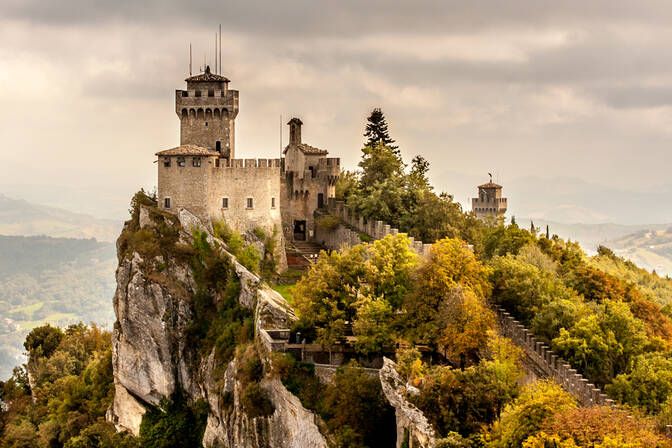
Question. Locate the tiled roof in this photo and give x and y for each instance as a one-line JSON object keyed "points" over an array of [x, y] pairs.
{"points": [[307, 149], [207, 76], [490, 185], [188, 150]]}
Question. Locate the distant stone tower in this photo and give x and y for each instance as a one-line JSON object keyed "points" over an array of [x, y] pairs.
{"points": [[207, 111], [489, 202]]}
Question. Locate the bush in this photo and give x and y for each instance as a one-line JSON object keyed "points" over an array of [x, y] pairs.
{"points": [[328, 222], [255, 402], [174, 423], [250, 258]]}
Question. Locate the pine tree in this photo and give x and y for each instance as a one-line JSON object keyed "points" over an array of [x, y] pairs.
{"points": [[548, 233], [377, 132]]}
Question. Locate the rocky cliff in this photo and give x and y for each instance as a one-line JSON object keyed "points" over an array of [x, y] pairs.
{"points": [[154, 356]]}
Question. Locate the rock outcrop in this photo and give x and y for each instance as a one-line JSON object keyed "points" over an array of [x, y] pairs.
{"points": [[151, 358], [411, 421]]}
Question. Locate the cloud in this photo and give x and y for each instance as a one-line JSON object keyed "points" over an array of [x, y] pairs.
{"points": [[580, 87]]}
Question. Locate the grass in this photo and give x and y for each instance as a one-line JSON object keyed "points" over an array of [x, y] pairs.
{"points": [[286, 292]]}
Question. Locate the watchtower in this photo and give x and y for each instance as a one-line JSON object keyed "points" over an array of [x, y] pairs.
{"points": [[207, 112], [489, 201]]}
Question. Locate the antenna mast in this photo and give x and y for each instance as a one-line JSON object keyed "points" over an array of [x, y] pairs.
{"points": [[220, 48], [189, 58], [281, 136], [215, 52]]}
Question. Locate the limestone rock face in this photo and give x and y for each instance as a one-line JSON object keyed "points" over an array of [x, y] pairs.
{"points": [[290, 425], [409, 418], [151, 358]]}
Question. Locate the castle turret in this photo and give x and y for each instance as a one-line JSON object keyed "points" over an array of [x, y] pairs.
{"points": [[207, 111], [489, 202], [295, 131]]}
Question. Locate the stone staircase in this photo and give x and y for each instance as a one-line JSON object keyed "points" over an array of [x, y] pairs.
{"points": [[300, 254]]}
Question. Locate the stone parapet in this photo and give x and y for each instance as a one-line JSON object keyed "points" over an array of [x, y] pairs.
{"points": [[550, 364], [250, 163], [357, 225]]}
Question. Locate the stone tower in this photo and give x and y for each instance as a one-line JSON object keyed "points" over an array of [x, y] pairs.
{"points": [[207, 111], [489, 202]]}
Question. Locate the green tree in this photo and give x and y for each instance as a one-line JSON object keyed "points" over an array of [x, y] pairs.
{"points": [[503, 240], [356, 410], [526, 414], [379, 164], [463, 400], [373, 326], [377, 132], [173, 423], [523, 289], [603, 345], [449, 263], [648, 385]]}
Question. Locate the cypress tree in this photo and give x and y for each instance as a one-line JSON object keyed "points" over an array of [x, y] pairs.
{"points": [[376, 131]]}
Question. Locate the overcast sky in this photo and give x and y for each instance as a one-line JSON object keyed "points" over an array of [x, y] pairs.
{"points": [[552, 88]]}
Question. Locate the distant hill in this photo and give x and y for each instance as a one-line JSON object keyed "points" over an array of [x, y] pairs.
{"points": [[589, 235], [19, 217], [650, 249], [51, 280], [568, 199]]}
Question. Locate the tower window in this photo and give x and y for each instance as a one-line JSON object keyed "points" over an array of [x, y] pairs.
{"points": [[166, 162], [218, 146], [211, 92], [180, 161], [272, 202], [225, 202], [206, 123], [196, 161], [166, 202], [198, 93], [250, 203]]}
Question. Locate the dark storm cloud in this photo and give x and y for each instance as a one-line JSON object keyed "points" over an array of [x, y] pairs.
{"points": [[475, 85], [354, 17]]}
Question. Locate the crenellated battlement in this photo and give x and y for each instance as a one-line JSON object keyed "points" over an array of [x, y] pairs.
{"points": [[550, 364], [250, 163], [357, 225]]}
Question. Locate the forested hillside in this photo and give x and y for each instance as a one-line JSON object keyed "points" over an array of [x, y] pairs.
{"points": [[433, 315], [51, 280], [22, 218]]}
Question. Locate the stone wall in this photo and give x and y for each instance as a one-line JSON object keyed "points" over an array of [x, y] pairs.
{"points": [[550, 365], [186, 186], [410, 419], [301, 189], [354, 225], [208, 117], [238, 180], [200, 189]]}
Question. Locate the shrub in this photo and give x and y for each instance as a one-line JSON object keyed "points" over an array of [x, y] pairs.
{"points": [[328, 222], [174, 422], [259, 233], [250, 258], [255, 402]]}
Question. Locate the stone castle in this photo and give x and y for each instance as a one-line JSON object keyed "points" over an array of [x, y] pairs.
{"points": [[203, 175], [489, 202]]}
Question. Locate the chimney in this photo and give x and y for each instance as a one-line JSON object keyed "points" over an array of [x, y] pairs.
{"points": [[295, 131]]}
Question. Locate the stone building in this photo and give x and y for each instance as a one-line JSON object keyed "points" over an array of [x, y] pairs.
{"points": [[203, 176], [489, 202]]}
